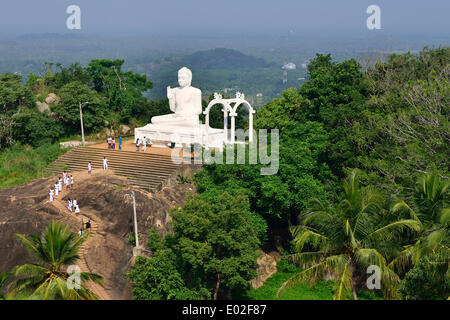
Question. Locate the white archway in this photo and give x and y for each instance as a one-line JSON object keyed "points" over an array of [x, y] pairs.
{"points": [[226, 108], [234, 114], [232, 110]]}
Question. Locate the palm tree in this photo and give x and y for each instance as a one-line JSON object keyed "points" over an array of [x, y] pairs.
{"points": [[344, 239], [433, 216], [3, 277], [55, 249]]}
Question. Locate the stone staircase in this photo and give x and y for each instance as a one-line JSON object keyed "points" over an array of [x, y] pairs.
{"points": [[144, 170], [59, 204]]}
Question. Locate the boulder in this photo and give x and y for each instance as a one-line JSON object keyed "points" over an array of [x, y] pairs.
{"points": [[51, 98], [124, 129], [107, 132], [42, 106], [267, 266]]}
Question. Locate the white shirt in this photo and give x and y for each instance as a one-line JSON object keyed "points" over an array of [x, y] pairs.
{"points": [[105, 161], [89, 167]]}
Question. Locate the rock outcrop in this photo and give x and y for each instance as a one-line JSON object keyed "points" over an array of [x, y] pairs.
{"points": [[124, 129], [103, 198], [267, 266], [51, 98]]}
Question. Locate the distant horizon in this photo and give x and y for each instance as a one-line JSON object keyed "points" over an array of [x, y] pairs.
{"points": [[213, 18], [318, 33]]}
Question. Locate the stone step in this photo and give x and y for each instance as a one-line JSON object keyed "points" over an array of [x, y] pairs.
{"points": [[133, 176], [121, 155], [131, 160], [114, 153], [147, 171], [83, 163], [74, 166]]}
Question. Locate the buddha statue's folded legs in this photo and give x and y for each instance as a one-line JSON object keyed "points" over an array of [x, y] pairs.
{"points": [[176, 120]]}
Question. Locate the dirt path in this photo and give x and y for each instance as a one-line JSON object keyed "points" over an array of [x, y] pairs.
{"points": [[60, 204]]}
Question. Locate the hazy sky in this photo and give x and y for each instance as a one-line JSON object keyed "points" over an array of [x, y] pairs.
{"points": [[191, 17]]}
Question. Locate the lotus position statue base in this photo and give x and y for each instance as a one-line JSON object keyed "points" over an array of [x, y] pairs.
{"points": [[163, 134]]}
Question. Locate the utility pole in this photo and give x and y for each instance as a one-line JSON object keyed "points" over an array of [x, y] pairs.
{"points": [[135, 219], [82, 128], [137, 248]]}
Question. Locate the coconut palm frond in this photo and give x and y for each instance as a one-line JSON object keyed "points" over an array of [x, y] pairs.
{"points": [[389, 284], [317, 217], [445, 216], [367, 257], [404, 260], [86, 276], [306, 257], [343, 285], [392, 230], [308, 237], [349, 233], [434, 238], [401, 205], [334, 264]]}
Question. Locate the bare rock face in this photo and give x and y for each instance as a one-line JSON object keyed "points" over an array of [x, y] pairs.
{"points": [[267, 266], [23, 210], [102, 197]]}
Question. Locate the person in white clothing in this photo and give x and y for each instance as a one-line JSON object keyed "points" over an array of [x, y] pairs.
{"points": [[105, 163], [56, 188], [71, 181], [51, 194], [77, 209], [81, 232], [144, 144], [89, 167], [60, 184], [69, 206]]}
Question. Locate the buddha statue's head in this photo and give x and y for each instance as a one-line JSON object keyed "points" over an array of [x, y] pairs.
{"points": [[184, 77]]}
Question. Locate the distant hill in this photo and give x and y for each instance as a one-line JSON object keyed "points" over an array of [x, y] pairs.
{"points": [[219, 69], [32, 36], [222, 58]]}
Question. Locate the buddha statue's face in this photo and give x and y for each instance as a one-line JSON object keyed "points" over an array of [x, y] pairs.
{"points": [[184, 79]]}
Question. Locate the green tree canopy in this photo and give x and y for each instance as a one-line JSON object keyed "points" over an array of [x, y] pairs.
{"points": [[67, 110], [13, 94]]}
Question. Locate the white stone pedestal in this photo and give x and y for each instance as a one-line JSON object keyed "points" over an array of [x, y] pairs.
{"points": [[201, 134]]}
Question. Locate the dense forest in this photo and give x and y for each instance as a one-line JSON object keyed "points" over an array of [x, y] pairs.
{"points": [[362, 179]]}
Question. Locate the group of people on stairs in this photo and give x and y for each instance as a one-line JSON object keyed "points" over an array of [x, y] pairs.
{"points": [[58, 187]]}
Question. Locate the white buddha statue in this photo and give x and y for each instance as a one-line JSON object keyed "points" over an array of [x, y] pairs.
{"points": [[185, 101], [183, 126]]}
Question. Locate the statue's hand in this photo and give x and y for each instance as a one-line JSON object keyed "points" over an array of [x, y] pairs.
{"points": [[169, 92]]}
